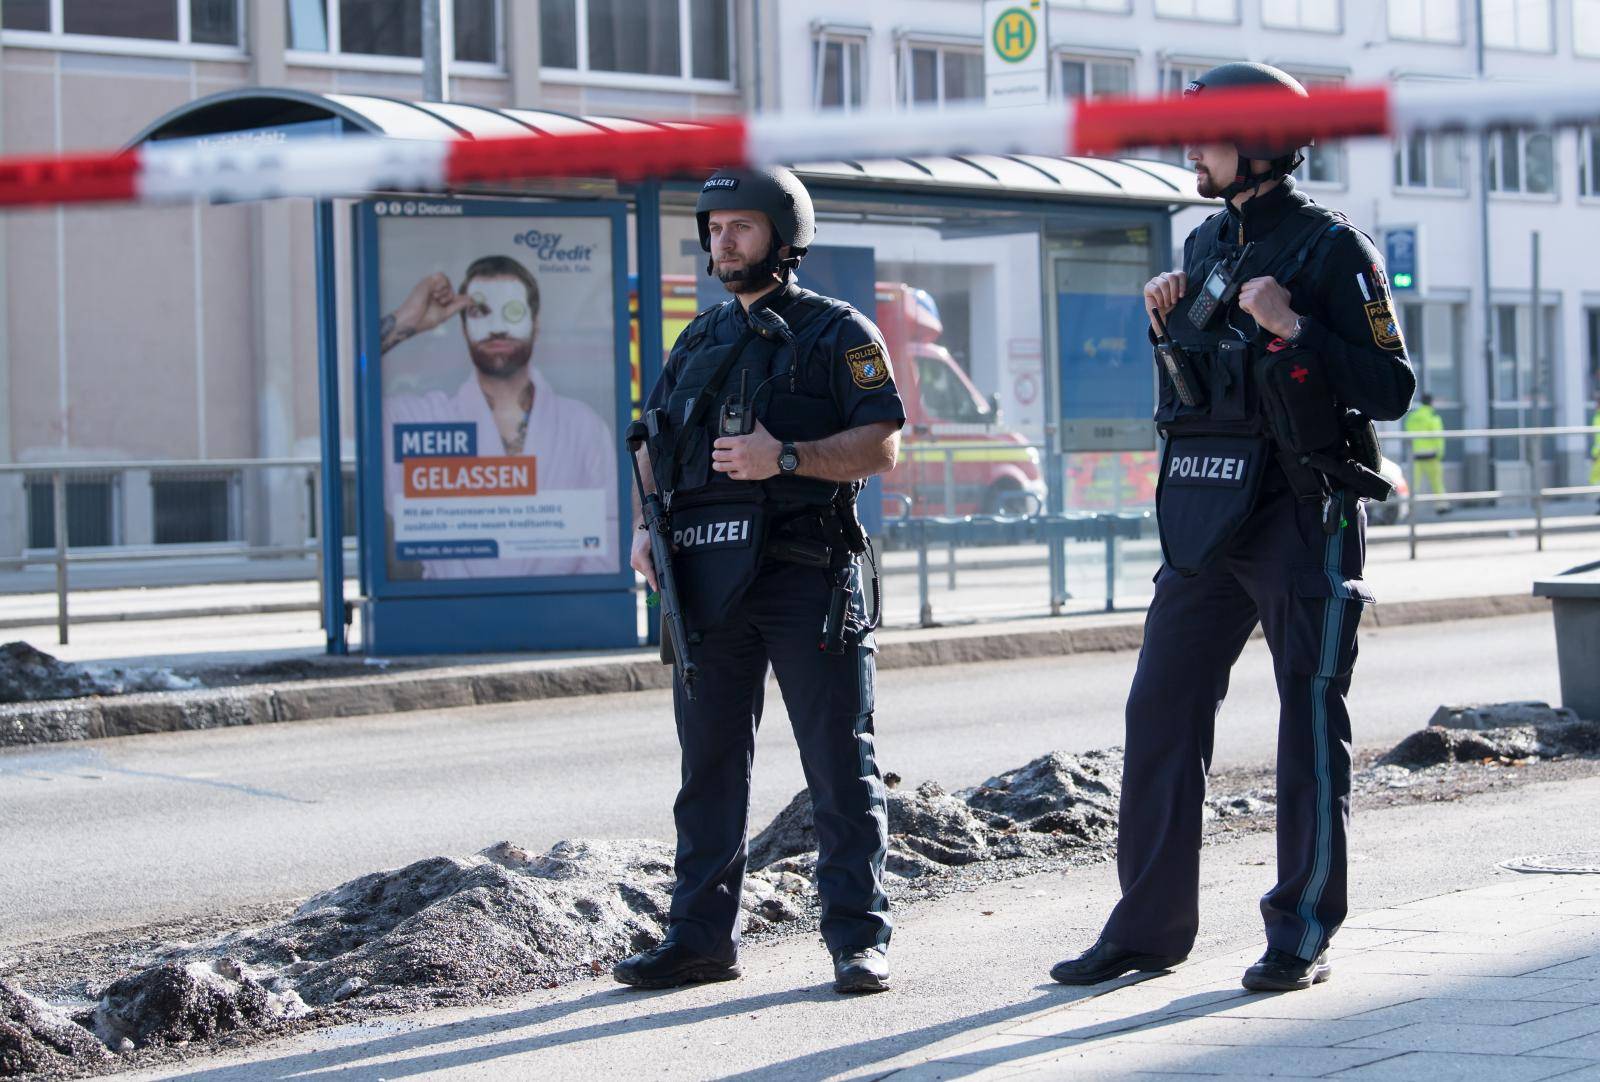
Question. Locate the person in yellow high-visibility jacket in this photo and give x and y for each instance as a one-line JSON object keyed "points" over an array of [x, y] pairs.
{"points": [[1594, 448], [1427, 454]]}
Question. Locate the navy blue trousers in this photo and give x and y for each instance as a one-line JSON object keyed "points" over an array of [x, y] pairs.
{"points": [[1304, 588], [830, 700]]}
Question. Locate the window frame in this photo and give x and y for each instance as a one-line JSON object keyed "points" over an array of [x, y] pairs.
{"points": [[1300, 6], [1494, 168], [909, 43], [401, 65], [1459, 39], [1312, 78], [1589, 153], [847, 36], [1237, 19], [1082, 5], [686, 82], [1431, 188], [1417, 342], [181, 49], [1549, 50], [1060, 56], [1576, 51]]}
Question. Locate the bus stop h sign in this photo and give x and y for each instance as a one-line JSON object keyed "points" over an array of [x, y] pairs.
{"points": [[1016, 53]]}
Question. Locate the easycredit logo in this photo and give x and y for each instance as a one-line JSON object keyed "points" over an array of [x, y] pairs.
{"points": [[432, 478]]}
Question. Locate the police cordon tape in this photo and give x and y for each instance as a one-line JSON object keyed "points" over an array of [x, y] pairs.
{"points": [[330, 166]]}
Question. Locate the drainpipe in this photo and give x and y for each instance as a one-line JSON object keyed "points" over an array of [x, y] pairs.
{"points": [[1484, 268]]}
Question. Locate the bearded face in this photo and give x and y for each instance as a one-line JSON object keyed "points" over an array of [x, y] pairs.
{"points": [[499, 327], [741, 241]]}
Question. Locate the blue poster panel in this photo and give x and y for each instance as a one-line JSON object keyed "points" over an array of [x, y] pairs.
{"points": [[494, 360]]}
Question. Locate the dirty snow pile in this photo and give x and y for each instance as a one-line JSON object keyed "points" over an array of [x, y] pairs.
{"points": [[31, 675]]}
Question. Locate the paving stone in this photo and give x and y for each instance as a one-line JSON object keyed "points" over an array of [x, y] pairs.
{"points": [[1116, 1058], [1469, 965], [1576, 969], [1476, 1012], [1233, 1030], [1571, 992], [1152, 996], [1456, 1067], [1538, 1033]]}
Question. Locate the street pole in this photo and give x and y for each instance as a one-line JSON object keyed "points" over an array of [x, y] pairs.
{"points": [[436, 29], [1536, 374]]}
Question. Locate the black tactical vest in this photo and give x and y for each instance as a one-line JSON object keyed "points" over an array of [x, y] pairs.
{"points": [[780, 382], [1225, 354]]}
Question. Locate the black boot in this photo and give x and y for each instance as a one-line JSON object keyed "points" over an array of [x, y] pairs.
{"points": [[861, 969], [1106, 960], [1280, 971], [670, 965]]}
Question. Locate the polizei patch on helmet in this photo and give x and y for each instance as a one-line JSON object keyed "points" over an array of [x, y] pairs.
{"points": [[868, 368], [727, 533], [723, 183], [1385, 329]]}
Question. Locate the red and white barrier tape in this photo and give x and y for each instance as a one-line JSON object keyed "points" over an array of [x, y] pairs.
{"points": [[356, 165]]}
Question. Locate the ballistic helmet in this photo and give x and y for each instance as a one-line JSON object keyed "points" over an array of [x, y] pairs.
{"points": [[1259, 76], [774, 191]]}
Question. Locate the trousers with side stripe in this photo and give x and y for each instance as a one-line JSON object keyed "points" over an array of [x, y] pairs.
{"points": [[1303, 586]]}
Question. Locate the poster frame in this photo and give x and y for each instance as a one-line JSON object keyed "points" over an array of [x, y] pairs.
{"points": [[375, 580]]}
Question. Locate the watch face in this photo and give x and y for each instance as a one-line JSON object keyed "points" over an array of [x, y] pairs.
{"points": [[788, 461]]}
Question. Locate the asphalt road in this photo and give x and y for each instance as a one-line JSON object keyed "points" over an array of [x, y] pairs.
{"points": [[121, 832]]}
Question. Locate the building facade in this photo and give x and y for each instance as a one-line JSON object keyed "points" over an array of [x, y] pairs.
{"points": [[188, 333]]}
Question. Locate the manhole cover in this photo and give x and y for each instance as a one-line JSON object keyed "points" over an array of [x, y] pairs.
{"points": [[1586, 862]]}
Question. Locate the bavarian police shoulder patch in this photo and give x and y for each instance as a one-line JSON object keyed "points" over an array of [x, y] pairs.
{"points": [[868, 367], [1385, 328]]}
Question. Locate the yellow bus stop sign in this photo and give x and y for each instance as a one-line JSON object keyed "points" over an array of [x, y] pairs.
{"points": [[1015, 33]]}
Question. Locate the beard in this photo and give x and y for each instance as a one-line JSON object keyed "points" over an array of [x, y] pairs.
{"points": [[1207, 185], [499, 364], [748, 277]]}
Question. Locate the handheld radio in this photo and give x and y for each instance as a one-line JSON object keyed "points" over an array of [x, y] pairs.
{"points": [[1219, 289], [1178, 367]]}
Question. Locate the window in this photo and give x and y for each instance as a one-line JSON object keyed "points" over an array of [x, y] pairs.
{"points": [[1430, 161], [1213, 11], [181, 22], [1589, 162], [1118, 6], [1522, 161], [1586, 27], [1513, 352], [192, 509], [1324, 160], [944, 396], [1085, 77], [1517, 24], [938, 75], [1591, 321], [91, 511], [1426, 20], [1434, 335], [390, 28], [839, 72], [1320, 15], [671, 39]]}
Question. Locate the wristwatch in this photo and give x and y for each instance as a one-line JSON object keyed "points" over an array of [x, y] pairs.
{"points": [[1293, 337], [788, 460]]}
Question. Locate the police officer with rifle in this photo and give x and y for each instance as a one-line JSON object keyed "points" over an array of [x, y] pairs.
{"points": [[772, 410], [1277, 345]]}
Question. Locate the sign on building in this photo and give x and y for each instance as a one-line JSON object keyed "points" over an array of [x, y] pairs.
{"points": [[1400, 258], [1016, 53]]}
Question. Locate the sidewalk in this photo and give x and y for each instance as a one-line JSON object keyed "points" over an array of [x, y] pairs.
{"points": [[1499, 981]]}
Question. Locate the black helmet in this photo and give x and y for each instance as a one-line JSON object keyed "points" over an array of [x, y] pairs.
{"points": [[1239, 76], [774, 191]]}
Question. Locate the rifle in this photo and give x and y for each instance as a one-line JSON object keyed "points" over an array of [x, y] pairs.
{"points": [[659, 527]]}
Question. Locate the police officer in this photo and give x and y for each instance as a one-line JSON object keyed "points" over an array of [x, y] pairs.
{"points": [[1280, 321], [773, 407], [1428, 452]]}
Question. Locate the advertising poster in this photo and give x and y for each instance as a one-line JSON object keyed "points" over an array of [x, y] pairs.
{"points": [[496, 340]]}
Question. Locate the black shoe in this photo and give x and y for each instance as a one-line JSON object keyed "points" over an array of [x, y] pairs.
{"points": [[861, 969], [671, 965], [1280, 971], [1105, 960]]}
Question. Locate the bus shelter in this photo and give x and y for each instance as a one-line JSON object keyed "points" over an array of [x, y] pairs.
{"points": [[499, 338]]}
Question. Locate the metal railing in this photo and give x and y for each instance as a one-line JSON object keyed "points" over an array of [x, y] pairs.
{"points": [[63, 556], [1530, 453]]}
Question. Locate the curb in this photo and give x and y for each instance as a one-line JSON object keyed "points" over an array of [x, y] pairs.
{"points": [[92, 718]]}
